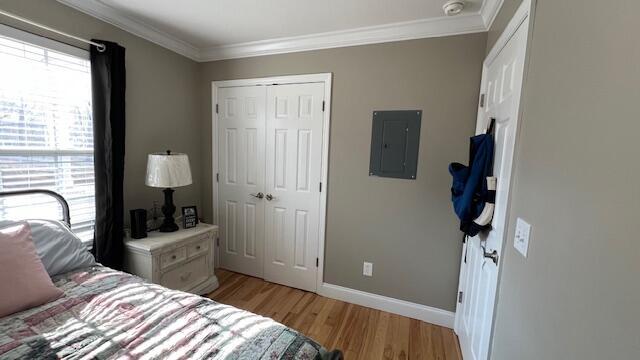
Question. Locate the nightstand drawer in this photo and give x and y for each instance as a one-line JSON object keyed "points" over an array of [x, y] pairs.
{"points": [[186, 276], [197, 248], [173, 257]]}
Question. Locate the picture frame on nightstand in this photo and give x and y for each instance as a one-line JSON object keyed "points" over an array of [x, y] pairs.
{"points": [[189, 217]]}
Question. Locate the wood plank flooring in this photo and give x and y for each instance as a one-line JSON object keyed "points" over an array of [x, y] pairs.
{"points": [[360, 332]]}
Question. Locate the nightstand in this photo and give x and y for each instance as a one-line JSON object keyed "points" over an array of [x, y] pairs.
{"points": [[180, 260]]}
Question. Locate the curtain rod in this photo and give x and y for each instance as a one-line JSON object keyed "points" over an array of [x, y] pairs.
{"points": [[101, 47]]}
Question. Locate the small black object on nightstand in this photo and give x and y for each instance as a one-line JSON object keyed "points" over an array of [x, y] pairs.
{"points": [[138, 223]]}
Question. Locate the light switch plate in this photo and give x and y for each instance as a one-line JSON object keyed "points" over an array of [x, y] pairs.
{"points": [[521, 240], [367, 269]]}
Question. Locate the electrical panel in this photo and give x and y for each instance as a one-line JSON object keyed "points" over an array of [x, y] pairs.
{"points": [[395, 141]]}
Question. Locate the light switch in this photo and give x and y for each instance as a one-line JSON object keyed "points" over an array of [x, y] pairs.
{"points": [[367, 269], [521, 241]]}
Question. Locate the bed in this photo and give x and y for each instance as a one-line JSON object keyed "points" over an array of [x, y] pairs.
{"points": [[108, 314]]}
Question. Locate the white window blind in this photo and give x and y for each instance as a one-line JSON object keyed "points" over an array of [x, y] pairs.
{"points": [[46, 133]]}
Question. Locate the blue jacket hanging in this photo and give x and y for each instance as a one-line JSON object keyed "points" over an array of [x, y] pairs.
{"points": [[473, 189]]}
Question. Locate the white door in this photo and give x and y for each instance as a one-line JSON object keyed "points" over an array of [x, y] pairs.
{"points": [[241, 144], [501, 84], [294, 152]]}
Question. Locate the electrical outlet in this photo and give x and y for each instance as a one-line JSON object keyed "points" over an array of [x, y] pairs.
{"points": [[521, 240], [367, 269]]}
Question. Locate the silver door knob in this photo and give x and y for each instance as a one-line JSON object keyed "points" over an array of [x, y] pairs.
{"points": [[269, 197], [258, 195], [490, 255]]}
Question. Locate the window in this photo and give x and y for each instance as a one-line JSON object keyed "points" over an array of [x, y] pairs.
{"points": [[46, 129]]}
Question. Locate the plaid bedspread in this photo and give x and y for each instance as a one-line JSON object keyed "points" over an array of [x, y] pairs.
{"points": [[107, 314]]}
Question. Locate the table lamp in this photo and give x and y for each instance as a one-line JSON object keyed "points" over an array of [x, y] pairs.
{"points": [[167, 170]]}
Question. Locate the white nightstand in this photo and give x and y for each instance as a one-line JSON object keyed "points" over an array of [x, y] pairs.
{"points": [[180, 260]]}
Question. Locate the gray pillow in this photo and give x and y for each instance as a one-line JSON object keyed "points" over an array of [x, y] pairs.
{"points": [[59, 249]]}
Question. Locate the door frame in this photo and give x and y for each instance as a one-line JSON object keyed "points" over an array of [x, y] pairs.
{"points": [[522, 17], [325, 78]]}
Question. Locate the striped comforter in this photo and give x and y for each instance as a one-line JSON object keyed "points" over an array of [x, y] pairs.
{"points": [[107, 314]]}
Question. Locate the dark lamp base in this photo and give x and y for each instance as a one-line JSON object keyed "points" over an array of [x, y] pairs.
{"points": [[168, 224]]}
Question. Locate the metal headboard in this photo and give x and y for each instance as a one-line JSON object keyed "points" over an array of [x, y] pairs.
{"points": [[66, 217]]}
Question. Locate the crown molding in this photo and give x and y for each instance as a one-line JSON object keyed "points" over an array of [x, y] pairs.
{"points": [[433, 27], [136, 27]]}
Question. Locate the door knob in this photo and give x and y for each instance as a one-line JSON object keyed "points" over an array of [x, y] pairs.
{"points": [[258, 195], [490, 255], [269, 197]]}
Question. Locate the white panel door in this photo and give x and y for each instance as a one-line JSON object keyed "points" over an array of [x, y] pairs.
{"points": [[293, 158], [502, 83], [241, 144]]}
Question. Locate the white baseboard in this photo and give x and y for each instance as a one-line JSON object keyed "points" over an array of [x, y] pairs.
{"points": [[400, 307]]}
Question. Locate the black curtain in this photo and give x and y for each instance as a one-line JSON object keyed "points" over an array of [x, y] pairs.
{"points": [[108, 82]]}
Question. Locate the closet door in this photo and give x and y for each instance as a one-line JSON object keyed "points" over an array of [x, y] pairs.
{"points": [[293, 163], [241, 145]]}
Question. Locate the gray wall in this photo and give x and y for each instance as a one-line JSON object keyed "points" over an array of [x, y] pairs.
{"points": [[162, 111], [505, 14], [576, 296], [406, 228]]}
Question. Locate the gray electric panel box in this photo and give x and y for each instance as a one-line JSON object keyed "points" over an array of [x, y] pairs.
{"points": [[395, 140]]}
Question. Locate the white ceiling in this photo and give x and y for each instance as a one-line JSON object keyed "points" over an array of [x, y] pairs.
{"points": [[215, 29], [206, 23]]}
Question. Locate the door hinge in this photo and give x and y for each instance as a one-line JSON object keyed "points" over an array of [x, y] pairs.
{"points": [[218, 242], [217, 177], [320, 187], [216, 108], [317, 262], [481, 100], [460, 297], [323, 105]]}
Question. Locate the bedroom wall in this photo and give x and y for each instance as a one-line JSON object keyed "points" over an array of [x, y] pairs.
{"points": [[576, 295], [406, 228], [162, 111]]}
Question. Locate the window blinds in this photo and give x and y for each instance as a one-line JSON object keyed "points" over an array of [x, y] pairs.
{"points": [[46, 133]]}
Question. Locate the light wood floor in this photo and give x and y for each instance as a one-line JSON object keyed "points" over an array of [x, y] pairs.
{"points": [[360, 332]]}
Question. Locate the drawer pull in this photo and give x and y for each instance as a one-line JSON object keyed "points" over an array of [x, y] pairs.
{"points": [[186, 276], [173, 257], [198, 247]]}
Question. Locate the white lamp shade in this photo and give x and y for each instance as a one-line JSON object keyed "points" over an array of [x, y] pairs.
{"points": [[168, 171]]}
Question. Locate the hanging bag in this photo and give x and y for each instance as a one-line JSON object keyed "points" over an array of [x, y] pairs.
{"points": [[474, 187]]}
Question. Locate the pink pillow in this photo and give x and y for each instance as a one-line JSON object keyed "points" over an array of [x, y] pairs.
{"points": [[24, 283]]}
